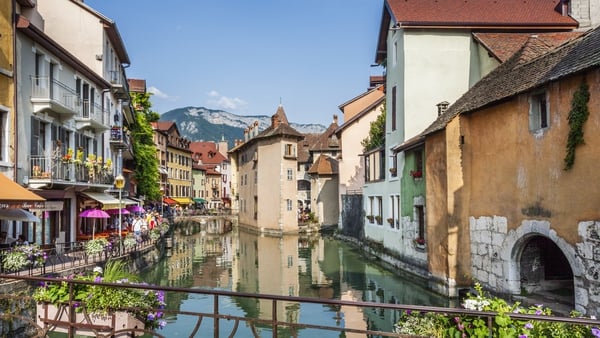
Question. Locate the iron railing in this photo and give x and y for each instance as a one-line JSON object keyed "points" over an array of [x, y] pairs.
{"points": [[71, 255], [285, 327], [54, 169]]}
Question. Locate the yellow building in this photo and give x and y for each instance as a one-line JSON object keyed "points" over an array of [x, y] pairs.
{"points": [[264, 169], [503, 205], [178, 163]]}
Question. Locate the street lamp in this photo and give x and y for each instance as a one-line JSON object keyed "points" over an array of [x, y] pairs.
{"points": [[119, 184]]}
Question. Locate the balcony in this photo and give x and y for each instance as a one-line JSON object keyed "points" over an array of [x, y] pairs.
{"points": [[47, 94], [53, 170], [91, 116]]}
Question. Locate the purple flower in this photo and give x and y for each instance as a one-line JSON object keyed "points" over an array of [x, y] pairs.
{"points": [[76, 304], [162, 324], [151, 316], [529, 326], [595, 332], [461, 327], [457, 319], [523, 336]]}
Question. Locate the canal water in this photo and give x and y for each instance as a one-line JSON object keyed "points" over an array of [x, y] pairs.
{"points": [[213, 254]]}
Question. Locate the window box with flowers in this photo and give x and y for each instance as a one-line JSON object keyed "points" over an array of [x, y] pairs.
{"points": [[416, 174], [419, 243], [98, 305], [370, 218], [390, 221], [378, 219]]}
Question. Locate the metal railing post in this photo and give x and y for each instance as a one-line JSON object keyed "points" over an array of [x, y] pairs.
{"points": [[274, 317], [216, 316]]}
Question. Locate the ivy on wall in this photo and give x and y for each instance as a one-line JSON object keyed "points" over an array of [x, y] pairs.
{"points": [[577, 116]]}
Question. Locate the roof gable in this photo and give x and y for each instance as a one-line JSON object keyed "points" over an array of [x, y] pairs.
{"points": [[522, 73]]}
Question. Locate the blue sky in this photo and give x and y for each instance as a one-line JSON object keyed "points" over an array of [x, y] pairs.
{"points": [[246, 57]]}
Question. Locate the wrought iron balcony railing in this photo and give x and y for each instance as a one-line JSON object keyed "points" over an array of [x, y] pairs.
{"points": [[49, 169]]}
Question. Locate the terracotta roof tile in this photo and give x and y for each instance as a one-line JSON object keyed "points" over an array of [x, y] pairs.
{"points": [[504, 45], [479, 13], [324, 165]]}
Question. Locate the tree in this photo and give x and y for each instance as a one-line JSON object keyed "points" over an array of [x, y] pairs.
{"points": [[144, 149], [376, 136], [141, 103]]}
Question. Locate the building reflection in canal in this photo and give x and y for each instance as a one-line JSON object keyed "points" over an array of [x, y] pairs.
{"points": [[212, 254]]}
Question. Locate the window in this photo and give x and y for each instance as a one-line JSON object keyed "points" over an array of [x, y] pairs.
{"points": [[379, 210], [394, 166], [290, 150], [288, 204], [420, 218], [538, 113], [393, 108], [290, 174]]}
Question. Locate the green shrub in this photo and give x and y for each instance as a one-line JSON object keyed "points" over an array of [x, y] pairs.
{"points": [[440, 325]]}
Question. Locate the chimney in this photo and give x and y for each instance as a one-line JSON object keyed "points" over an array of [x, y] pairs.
{"points": [[246, 135], [565, 4], [442, 106], [335, 119]]}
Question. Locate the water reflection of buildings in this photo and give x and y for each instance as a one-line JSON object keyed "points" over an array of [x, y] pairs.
{"points": [[267, 265], [209, 255], [201, 242]]}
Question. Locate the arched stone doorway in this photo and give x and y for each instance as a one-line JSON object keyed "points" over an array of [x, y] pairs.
{"points": [[545, 272]]}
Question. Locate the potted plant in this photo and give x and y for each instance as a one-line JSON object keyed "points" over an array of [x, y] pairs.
{"points": [[98, 305], [68, 157], [95, 246], [370, 218], [390, 221], [378, 219]]}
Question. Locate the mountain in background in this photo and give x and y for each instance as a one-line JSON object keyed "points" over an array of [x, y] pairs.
{"points": [[203, 124]]}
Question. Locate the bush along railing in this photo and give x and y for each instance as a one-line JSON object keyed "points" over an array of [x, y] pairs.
{"points": [[503, 320]]}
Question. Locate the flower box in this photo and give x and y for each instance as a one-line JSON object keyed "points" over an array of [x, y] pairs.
{"points": [[416, 173], [56, 319]]}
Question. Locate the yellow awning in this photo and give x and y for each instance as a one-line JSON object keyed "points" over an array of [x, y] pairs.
{"points": [[108, 201], [13, 195], [182, 200]]}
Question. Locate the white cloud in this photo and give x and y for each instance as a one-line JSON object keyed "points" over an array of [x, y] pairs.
{"points": [[227, 103], [156, 92]]}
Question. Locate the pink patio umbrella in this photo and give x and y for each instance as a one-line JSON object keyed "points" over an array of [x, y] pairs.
{"points": [[94, 213], [135, 208], [116, 211]]}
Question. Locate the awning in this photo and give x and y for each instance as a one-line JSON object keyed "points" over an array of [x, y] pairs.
{"points": [[13, 195], [18, 215], [199, 200], [169, 201], [129, 201], [163, 171], [183, 200], [108, 201]]}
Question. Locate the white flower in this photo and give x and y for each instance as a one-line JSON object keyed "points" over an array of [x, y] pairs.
{"points": [[475, 304], [98, 270]]}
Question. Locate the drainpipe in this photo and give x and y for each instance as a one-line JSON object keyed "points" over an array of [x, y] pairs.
{"points": [[104, 91], [14, 73]]}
